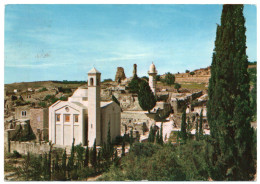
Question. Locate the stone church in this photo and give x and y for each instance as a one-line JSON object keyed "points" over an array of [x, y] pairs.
{"points": [[84, 116]]}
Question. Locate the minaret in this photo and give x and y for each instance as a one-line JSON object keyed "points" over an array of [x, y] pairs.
{"points": [[152, 78], [94, 111]]}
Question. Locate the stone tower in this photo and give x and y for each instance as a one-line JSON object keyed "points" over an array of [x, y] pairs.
{"points": [[135, 70], [152, 78], [94, 111]]}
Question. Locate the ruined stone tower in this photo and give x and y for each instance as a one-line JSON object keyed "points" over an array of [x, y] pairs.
{"points": [[152, 78], [120, 74], [135, 70], [94, 102]]}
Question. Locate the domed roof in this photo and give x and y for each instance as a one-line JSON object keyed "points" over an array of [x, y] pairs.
{"points": [[80, 92], [152, 68]]}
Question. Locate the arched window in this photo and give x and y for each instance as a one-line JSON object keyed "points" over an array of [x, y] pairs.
{"points": [[91, 81]]}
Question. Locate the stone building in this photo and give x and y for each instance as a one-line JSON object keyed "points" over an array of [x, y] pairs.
{"points": [[39, 122], [84, 117], [22, 112]]}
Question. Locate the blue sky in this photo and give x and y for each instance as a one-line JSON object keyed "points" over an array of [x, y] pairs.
{"points": [[63, 42]]}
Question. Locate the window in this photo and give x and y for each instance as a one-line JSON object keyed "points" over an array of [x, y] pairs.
{"points": [[76, 118], [67, 118], [23, 113], [57, 117], [91, 81]]}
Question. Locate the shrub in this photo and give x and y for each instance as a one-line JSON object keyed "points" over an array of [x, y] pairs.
{"points": [[16, 154], [42, 104], [107, 80], [43, 89], [169, 78]]}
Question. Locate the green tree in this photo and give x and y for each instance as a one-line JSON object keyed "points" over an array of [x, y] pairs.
{"points": [[151, 135], [183, 126], [197, 129], [169, 78], [146, 97], [86, 157], [161, 134], [177, 86], [63, 162], [158, 78], [133, 85], [70, 164], [201, 123], [93, 158], [228, 108], [109, 143], [131, 137], [123, 147]]}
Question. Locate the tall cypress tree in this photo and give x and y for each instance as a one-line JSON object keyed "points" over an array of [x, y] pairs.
{"points": [[197, 129], [94, 155], [109, 143], [161, 134], [86, 157], [200, 125], [183, 126], [63, 162], [228, 106], [146, 97], [123, 148]]}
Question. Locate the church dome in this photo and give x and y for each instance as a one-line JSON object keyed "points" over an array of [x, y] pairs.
{"points": [[152, 68], [80, 92]]}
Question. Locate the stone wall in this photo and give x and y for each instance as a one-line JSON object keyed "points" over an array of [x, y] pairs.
{"points": [[139, 121], [190, 78], [32, 147]]}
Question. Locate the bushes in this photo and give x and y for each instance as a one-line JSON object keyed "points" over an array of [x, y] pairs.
{"points": [[153, 162], [43, 89]]}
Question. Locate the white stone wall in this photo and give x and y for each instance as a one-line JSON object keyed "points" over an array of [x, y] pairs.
{"points": [[62, 133], [112, 114]]}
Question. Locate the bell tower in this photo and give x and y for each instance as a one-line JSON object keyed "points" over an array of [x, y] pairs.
{"points": [[94, 111]]}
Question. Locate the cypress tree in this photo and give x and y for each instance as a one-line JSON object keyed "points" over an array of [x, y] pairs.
{"points": [[56, 165], [123, 148], [86, 157], [94, 155], [109, 144], [228, 108], [131, 137], [70, 164], [146, 97], [150, 134], [197, 129], [201, 122], [158, 137], [183, 126], [63, 163], [161, 134]]}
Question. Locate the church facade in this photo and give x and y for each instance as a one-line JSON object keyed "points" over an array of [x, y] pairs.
{"points": [[84, 117]]}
